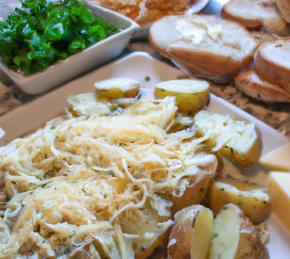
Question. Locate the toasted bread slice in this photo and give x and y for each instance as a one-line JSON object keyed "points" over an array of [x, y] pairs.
{"points": [[252, 85], [255, 14], [284, 8], [206, 45], [272, 62]]}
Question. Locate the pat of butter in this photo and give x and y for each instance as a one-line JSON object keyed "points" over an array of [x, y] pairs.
{"points": [[196, 30], [190, 32], [279, 191], [278, 159], [214, 30]]}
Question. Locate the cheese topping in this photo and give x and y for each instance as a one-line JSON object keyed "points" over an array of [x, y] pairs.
{"points": [[223, 131], [97, 185]]}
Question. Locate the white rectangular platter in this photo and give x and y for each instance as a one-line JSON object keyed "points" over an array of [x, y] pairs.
{"points": [[148, 71]]}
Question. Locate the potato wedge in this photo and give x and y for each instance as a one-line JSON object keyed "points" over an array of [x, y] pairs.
{"points": [[191, 95], [254, 202], [191, 234], [198, 185], [150, 222], [119, 87], [181, 123], [88, 104], [235, 237], [235, 139]]}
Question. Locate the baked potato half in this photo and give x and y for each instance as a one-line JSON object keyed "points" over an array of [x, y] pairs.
{"points": [[191, 234], [191, 95], [150, 229], [88, 104], [197, 187], [234, 236], [255, 202], [235, 139], [119, 87]]}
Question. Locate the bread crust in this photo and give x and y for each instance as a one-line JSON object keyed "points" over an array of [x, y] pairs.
{"points": [[217, 60], [255, 14], [270, 69], [284, 8], [253, 24], [252, 85], [220, 69]]}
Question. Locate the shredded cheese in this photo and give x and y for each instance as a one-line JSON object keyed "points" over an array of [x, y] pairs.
{"points": [[98, 184]]}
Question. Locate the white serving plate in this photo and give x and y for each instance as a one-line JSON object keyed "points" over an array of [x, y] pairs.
{"points": [[140, 65], [81, 62]]}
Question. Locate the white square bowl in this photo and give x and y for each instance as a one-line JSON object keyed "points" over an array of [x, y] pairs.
{"points": [[73, 66]]}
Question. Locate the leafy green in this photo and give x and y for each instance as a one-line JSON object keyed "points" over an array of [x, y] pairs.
{"points": [[40, 33]]}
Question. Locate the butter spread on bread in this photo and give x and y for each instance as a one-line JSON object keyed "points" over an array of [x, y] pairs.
{"points": [[207, 46]]}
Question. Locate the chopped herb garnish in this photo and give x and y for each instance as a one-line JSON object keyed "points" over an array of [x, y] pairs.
{"points": [[41, 32], [111, 173], [147, 78], [114, 108]]}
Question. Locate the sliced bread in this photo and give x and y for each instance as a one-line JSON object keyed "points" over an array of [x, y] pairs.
{"points": [[207, 46], [284, 7], [272, 62], [252, 85], [255, 14]]}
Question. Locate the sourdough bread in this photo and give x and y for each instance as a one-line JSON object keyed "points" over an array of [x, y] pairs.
{"points": [[207, 46], [272, 62], [252, 85], [284, 7], [255, 14]]}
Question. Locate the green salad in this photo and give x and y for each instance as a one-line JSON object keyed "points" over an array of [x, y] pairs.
{"points": [[41, 32]]}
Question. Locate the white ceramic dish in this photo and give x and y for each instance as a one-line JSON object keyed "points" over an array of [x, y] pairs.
{"points": [[139, 66], [79, 63]]}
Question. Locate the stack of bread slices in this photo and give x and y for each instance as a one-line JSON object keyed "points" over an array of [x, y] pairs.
{"points": [[249, 45], [269, 81], [259, 14]]}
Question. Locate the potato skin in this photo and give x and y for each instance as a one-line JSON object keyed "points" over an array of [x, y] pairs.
{"points": [[246, 159], [250, 245], [188, 103], [194, 194], [257, 210], [150, 250], [116, 93], [186, 239]]}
